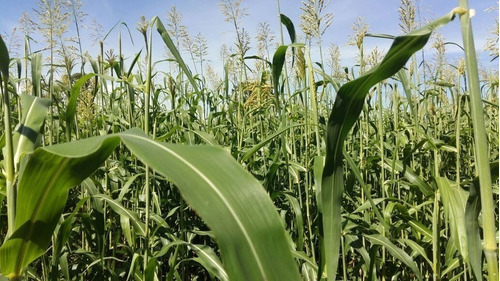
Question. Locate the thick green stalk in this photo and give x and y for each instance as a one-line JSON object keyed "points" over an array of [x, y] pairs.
{"points": [[457, 136], [26, 52], [305, 143], [480, 144], [435, 239], [147, 91], [380, 125], [383, 188], [9, 156], [51, 86], [314, 99]]}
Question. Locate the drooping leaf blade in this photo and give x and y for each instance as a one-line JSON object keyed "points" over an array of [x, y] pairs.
{"points": [[395, 252], [410, 175], [417, 249], [208, 258], [42, 193], [346, 110], [454, 201], [287, 22], [133, 217], [246, 225]]}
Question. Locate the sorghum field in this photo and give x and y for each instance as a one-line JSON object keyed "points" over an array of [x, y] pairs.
{"points": [[283, 165]]}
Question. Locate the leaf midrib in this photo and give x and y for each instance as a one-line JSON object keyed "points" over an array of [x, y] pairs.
{"points": [[221, 196], [21, 136]]}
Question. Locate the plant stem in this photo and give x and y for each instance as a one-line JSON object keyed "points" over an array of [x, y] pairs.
{"points": [[480, 144], [9, 158], [314, 99], [435, 238], [147, 91]]}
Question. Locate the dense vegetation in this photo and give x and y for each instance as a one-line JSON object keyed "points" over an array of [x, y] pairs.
{"points": [[284, 169]]}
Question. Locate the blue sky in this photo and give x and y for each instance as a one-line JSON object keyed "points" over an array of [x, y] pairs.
{"points": [[204, 16]]}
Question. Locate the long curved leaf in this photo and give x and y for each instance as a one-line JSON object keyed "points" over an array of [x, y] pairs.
{"points": [[73, 99], [287, 22], [171, 47], [346, 110], [122, 211], [234, 205], [289, 26], [474, 247], [258, 146], [277, 67], [395, 252], [42, 193], [416, 249], [208, 258], [409, 174], [454, 201]]}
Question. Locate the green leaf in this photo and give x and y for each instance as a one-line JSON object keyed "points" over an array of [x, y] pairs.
{"points": [[208, 258], [258, 58], [139, 226], [34, 111], [171, 47], [299, 221], [404, 77], [410, 175], [125, 225], [289, 26], [291, 32], [206, 137], [133, 263], [150, 269], [356, 243], [452, 264], [73, 99], [368, 204], [251, 238], [454, 201], [277, 67], [395, 251], [234, 205], [422, 229], [319, 163], [474, 247], [36, 74], [65, 229], [346, 110], [4, 59], [134, 61], [417, 249], [42, 193], [258, 146]]}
